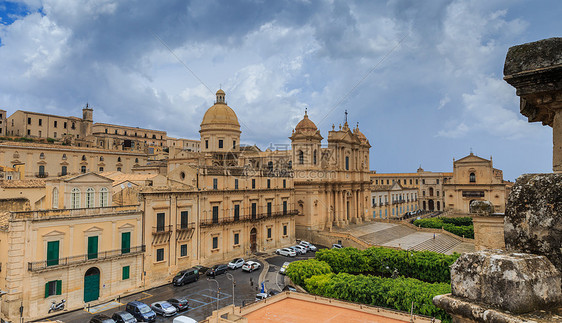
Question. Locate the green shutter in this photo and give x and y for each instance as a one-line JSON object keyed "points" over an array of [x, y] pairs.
{"points": [[46, 289], [125, 242], [59, 287], [92, 247], [126, 270], [52, 253]]}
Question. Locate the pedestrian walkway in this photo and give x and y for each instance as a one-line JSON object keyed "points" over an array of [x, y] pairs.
{"points": [[103, 307]]}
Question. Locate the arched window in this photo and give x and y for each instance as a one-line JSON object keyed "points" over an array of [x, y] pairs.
{"points": [[63, 156], [270, 166], [346, 162], [90, 197], [301, 157], [136, 160], [118, 159], [314, 157], [55, 198], [101, 158], [84, 157], [103, 196], [63, 170], [42, 156], [472, 178], [75, 198]]}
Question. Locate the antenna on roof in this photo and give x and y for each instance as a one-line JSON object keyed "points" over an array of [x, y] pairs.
{"points": [[346, 116]]}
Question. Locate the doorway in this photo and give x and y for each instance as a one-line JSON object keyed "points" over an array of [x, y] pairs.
{"points": [[91, 285], [253, 240]]}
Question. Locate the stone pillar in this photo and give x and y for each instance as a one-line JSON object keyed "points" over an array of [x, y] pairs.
{"points": [[557, 141]]}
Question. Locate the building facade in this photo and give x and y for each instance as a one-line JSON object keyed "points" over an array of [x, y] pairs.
{"points": [[475, 178], [393, 201]]}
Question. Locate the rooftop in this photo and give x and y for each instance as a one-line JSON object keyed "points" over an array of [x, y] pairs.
{"points": [[22, 183]]}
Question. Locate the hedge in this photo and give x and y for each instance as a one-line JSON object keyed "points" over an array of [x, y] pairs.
{"points": [[447, 224], [300, 270], [396, 293]]}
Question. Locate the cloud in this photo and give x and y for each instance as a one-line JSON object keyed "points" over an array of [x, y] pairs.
{"points": [[457, 131], [443, 102]]}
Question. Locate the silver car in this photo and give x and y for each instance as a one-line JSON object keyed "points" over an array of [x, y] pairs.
{"points": [[164, 308], [236, 263]]}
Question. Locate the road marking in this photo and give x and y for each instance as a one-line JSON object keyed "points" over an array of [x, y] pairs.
{"points": [[148, 296]]}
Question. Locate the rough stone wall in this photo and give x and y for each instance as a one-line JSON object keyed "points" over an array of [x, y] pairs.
{"points": [[533, 218], [15, 205]]}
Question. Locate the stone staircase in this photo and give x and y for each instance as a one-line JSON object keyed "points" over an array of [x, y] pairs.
{"points": [[442, 243], [381, 237]]}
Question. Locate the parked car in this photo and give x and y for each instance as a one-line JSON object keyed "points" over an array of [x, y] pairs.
{"points": [[251, 266], [260, 296], [163, 308], [337, 246], [181, 304], [289, 288], [236, 263], [141, 311], [308, 245], [186, 276], [100, 318], [286, 252], [272, 292], [123, 317], [201, 270], [184, 319], [217, 270], [301, 249], [284, 267]]}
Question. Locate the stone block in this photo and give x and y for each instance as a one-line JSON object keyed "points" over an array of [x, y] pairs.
{"points": [[533, 216], [481, 207], [515, 282], [532, 56]]}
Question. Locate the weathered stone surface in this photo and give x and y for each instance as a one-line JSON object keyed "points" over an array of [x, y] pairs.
{"points": [[515, 282], [481, 207], [532, 56], [533, 217]]}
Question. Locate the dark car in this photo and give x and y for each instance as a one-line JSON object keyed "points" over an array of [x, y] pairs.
{"points": [[273, 292], [123, 317], [185, 276], [289, 288], [181, 304], [100, 318], [217, 270], [141, 311], [201, 269]]}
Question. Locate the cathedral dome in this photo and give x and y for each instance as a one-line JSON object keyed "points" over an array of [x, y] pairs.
{"points": [[220, 114], [306, 125]]}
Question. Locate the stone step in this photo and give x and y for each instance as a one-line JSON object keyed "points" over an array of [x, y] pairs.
{"points": [[441, 244], [381, 237]]}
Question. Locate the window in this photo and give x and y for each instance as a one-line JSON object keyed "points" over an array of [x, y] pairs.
{"points": [[42, 170], [206, 144], [410, 181], [64, 125], [63, 170], [53, 253], [183, 250], [54, 287], [118, 169], [284, 183], [236, 183], [236, 212], [90, 197], [314, 157], [125, 242], [220, 143], [404, 182], [253, 183], [423, 193], [42, 156], [215, 183], [55, 134], [55, 198], [40, 122], [73, 126], [92, 247], [423, 181], [215, 214], [301, 157], [234, 144], [236, 239], [183, 219], [438, 181], [472, 178], [28, 120], [215, 242], [346, 162], [268, 183], [136, 160], [285, 230], [103, 197], [269, 233], [284, 207], [254, 210], [268, 208], [387, 182], [115, 131], [105, 130], [75, 198], [416, 182], [101, 169], [83, 168], [126, 272], [160, 254], [28, 132], [118, 159], [160, 221]]}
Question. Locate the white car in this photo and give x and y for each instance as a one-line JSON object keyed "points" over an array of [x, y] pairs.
{"points": [[308, 245], [337, 246], [236, 263], [163, 308], [284, 267], [261, 296], [302, 249], [251, 266], [286, 252]]}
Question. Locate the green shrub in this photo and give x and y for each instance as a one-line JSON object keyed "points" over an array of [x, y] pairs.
{"points": [[300, 270], [396, 293], [450, 225]]}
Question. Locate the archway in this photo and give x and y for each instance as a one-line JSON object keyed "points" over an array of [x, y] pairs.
{"points": [[91, 285], [253, 239], [430, 205], [431, 191]]}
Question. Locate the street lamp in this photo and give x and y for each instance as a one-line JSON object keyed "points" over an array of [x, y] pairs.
{"points": [[231, 278], [218, 291]]}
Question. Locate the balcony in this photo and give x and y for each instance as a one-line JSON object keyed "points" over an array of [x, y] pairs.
{"points": [[159, 230], [246, 218], [75, 213], [185, 232], [84, 259], [42, 175]]}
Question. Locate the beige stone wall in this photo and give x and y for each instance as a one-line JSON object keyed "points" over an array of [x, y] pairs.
{"points": [[488, 232], [393, 202], [3, 123], [39, 125]]}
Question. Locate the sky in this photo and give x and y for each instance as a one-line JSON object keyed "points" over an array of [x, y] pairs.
{"points": [[422, 78]]}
